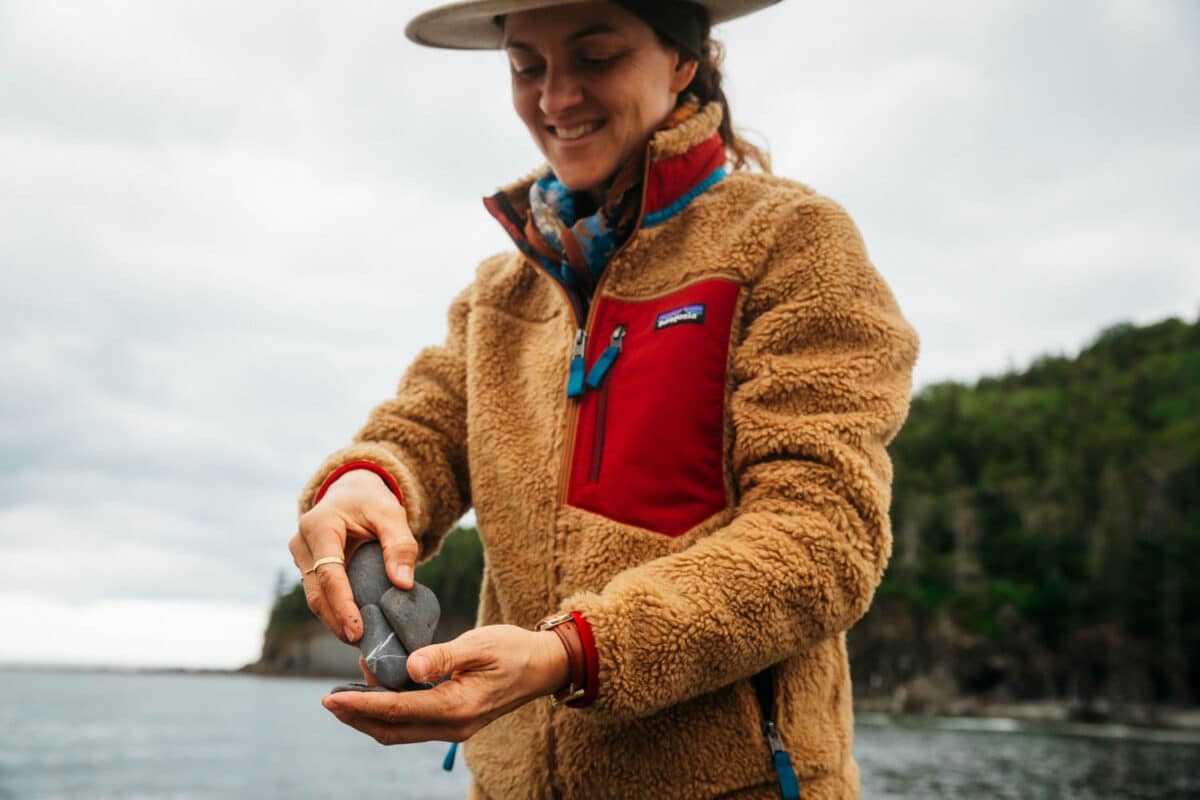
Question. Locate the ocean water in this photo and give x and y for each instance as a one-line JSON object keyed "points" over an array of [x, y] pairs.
{"points": [[129, 736]]}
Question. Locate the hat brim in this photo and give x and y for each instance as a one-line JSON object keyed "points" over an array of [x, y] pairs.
{"points": [[471, 25]]}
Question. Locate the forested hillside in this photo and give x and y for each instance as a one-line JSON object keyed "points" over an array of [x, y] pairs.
{"points": [[1047, 534], [1047, 539]]}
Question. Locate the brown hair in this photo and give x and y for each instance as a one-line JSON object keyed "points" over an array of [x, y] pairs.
{"points": [[706, 86]]}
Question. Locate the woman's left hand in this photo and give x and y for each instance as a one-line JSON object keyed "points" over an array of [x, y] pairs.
{"points": [[493, 669]]}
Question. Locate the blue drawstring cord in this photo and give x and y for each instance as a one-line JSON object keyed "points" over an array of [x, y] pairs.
{"points": [[448, 761]]}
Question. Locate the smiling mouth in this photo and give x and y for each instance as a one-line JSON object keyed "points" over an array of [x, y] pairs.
{"points": [[577, 131]]}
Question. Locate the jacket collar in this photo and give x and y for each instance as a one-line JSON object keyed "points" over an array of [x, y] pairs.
{"points": [[681, 163]]}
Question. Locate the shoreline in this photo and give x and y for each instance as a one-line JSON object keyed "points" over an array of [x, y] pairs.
{"points": [[1116, 731], [1059, 713], [1172, 725]]}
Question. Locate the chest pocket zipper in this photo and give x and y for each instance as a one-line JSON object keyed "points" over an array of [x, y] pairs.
{"points": [[595, 380], [607, 358]]}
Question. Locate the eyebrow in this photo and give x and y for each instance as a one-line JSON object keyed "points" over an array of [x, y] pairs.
{"points": [[590, 30]]}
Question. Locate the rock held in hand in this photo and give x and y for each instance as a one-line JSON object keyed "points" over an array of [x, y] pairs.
{"points": [[368, 578], [412, 614], [385, 655]]}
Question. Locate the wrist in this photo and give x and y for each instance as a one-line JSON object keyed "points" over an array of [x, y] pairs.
{"points": [[556, 675], [359, 470]]}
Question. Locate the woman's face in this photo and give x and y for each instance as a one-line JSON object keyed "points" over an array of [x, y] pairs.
{"points": [[591, 82]]}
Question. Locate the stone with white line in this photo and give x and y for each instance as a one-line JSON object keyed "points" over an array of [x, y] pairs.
{"points": [[385, 655]]}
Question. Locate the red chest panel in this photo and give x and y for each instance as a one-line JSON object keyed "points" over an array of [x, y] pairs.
{"points": [[649, 441]]}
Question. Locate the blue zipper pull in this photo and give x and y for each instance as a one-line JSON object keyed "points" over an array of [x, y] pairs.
{"points": [[448, 761], [605, 361], [789, 787], [575, 381]]}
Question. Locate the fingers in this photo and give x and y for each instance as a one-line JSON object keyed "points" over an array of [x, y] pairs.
{"points": [[323, 593], [340, 598], [303, 559], [316, 604], [324, 533], [368, 676], [443, 712], [389, 734], [399, 545]]}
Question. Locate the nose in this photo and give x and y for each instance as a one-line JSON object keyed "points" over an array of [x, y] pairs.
{"points": [[560, 91]]}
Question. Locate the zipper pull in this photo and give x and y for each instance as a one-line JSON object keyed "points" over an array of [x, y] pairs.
{"points": [[575, 380], [448, 761], [605, 361], [789, 787]]}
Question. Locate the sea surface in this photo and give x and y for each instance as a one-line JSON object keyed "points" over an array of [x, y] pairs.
{"points": [[129, 736]]}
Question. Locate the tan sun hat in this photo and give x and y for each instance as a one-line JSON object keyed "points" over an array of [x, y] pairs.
{"points": [[470, 24]]}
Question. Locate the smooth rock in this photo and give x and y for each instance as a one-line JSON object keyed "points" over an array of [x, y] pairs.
{"points": [[359, 686], [368, 578], [412, 614], [385, 655]]}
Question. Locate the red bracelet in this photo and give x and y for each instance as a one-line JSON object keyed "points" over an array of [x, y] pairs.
{"points": [[576, 636], [353, 465], [567, 630], [592, 688]]}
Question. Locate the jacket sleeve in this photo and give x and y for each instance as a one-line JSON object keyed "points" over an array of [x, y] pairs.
{"points": [[821, 377], [419, 437]]}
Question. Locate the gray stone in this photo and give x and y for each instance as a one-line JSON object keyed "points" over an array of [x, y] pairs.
{"points": [[359, 686], [368, 578], [412, 614], [385, 655]]}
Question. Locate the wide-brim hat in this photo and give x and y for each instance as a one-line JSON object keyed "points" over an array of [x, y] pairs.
{"points": [[471, 24]]}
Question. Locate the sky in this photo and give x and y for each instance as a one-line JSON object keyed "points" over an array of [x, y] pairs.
{"points": [[225, 229]]}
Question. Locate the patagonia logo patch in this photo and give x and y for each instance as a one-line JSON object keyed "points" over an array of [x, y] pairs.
{"points": [[679, 316]]}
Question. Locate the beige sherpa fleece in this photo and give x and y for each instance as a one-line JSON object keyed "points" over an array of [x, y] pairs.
{"points": [[816, 383]]}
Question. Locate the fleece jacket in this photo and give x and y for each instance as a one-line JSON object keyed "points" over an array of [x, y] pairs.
{"points": [[714, 503]]}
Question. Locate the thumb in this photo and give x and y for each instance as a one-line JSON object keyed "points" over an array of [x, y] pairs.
{"points": [[399, 545], [437, 661]]}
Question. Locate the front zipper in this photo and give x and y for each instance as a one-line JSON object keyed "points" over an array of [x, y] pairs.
{"points": [[595, 380], [580, 341], [763, 684], [789, 787], [575, 378]]}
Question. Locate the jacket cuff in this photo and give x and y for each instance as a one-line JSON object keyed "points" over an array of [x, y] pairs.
{"points": [[607, 624], [592, 660], [353, 465]]}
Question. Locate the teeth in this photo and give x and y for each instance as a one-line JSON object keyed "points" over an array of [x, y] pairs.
{"points": [[578, 131]]}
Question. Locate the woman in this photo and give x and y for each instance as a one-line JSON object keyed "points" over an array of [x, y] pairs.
{"points": [[668, 406]]}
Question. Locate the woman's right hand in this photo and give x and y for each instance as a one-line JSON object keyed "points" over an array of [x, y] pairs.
{"points": [[357, 506]]}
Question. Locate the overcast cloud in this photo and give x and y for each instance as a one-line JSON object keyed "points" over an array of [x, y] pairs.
{"points": [[225, 228]]}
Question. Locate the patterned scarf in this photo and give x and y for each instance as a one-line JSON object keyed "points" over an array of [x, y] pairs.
{"points": [[580, 243]]}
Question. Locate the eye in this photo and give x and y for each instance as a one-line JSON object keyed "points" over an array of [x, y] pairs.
{"points": [[598, 60], [525, 68]]}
